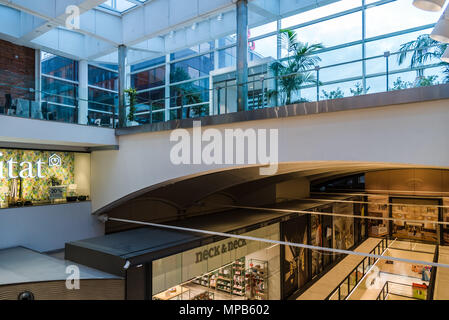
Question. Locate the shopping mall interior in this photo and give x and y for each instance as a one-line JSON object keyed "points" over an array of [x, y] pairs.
{"points": [[224, 150]]}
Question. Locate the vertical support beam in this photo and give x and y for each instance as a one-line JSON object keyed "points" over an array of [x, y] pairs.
{"points": [[167, 87], [364, 47], [279, 39], [242, 55], [37, 76], [122, 63], [83, 91]]}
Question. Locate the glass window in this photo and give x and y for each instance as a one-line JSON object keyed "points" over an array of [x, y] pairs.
{"points": [[148, 64], [60, 67], [192, 68], [59, 91], [396, 16], [155, 98], [201, 48], [189, 93], [227, 41], [102, 100], [103, 78], [340, 30], [227, 57], [148, 79], [310, 15], [263, 48], [263, 29]]}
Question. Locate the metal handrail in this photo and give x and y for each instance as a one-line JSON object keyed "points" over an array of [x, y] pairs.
{"points": [[265, 94], [380, 247]]}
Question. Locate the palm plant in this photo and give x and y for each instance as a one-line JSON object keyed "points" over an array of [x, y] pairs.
{"points": [[423, 49], [292, 73]]}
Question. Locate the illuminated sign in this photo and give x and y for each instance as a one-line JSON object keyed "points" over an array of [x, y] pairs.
{"points": [[26, 169]]}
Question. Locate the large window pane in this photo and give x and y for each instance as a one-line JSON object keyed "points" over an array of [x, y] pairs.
{"points": [[102, 100], [333, 32], [263, 48], [58, 91], [201, 48], [320, 12], [189, 93], [103, 78], [396, 16], [148, 79], [148, 64], [60, 67], [227, 57], [192, 68]]}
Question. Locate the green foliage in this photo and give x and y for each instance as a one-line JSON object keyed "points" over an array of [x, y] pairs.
{"points": [[132, 96], [422, 51], [334, 94], [358, 89], [290, 73]]}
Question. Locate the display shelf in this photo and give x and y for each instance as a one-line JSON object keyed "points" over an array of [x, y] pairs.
{"points": [[256, 278]]}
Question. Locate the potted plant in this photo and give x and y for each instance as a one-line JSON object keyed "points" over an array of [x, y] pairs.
{"points": [[292, 73], [132, 96]]}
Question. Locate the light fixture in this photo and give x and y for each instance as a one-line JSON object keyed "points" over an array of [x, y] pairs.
{"points": [[194, 25], [171, 34], [429, 5], [441, 31], [445, 56], [220, 17]]}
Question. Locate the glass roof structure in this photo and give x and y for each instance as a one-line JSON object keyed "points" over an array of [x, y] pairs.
{"points": [[121, 6]]}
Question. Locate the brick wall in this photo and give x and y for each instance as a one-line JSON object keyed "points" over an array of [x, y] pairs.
{"points": [[17, 66]]}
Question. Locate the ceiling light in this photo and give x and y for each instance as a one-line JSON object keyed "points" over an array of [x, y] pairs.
{"points": [[441, 30], [171, 34], [445, 56], [220, 17], [429, 5], [194, 26]]}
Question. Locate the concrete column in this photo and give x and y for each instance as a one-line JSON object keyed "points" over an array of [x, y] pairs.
{"points": [[37, 76], [167, 87], [242, 55], [122, 81], [83, 91]]}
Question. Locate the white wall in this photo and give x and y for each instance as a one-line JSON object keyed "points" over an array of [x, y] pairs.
{"points": [[47, 228], [402, 134], [23, 130]]}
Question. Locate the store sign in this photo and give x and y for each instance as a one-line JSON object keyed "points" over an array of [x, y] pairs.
{"points": [[26, 169], [219, 249]]}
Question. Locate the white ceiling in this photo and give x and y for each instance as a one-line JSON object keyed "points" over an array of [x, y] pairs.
{"points": [[144, 28]]}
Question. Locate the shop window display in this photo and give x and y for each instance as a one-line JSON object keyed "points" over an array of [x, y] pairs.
{"points": [[418, 210], [378, 207], [343, 226], [33, 177]]}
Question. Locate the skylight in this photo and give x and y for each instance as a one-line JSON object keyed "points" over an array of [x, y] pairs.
{"points": [[121, 6]]}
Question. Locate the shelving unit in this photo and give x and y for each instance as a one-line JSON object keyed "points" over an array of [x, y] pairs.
{"points": [[229, 279], [256, 278]]}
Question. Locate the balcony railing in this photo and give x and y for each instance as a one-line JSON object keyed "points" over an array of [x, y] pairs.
{"points": [[264, 90], [400, 290], [350, 282]]}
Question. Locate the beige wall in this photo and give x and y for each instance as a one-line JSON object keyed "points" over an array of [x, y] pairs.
{"points": [[409, 181], [408, 134], [293, 189], [82, 173]]}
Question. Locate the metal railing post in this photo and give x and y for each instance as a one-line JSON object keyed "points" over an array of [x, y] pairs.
{"points": [[262, 79], [387, 68], [317, 69]]}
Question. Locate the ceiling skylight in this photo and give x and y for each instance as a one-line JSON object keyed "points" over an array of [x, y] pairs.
{"points": [[121, 6]]}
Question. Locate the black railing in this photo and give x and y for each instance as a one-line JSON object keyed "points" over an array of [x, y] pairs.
{"points": [[350, 282], [397, 289]]}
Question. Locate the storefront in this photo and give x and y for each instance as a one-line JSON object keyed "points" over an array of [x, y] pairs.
{"points": [[165, 264], [35, 177]]}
